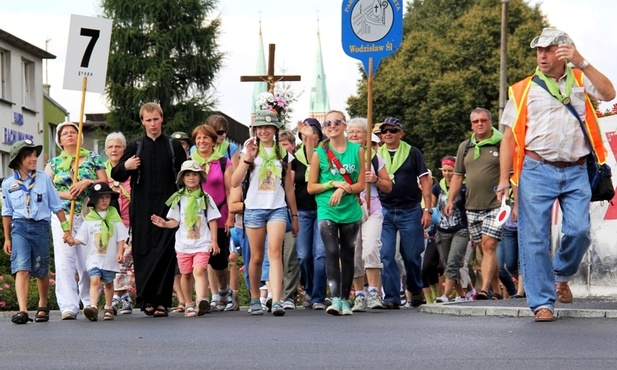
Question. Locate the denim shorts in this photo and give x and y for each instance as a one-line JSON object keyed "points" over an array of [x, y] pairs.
{"points": [[257, 218], [105, 275], [30, 241]]}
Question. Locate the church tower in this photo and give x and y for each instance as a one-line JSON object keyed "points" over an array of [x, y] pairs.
{"points": [[319, 104], [260, 70]]}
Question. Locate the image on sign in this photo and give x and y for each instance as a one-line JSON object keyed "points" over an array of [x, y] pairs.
{"points": [[372, 19]]}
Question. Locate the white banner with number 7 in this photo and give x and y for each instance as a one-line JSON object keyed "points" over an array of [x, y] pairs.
{"points": [[87, 53]]}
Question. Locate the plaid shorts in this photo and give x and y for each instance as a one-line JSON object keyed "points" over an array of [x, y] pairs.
{"points": [[483, 223]]}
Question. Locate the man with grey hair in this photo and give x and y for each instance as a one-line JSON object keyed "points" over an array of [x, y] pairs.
{"points": [[545, 147]]}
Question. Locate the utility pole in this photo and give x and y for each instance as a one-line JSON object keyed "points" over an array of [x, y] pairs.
{"points": [[503, 67]]}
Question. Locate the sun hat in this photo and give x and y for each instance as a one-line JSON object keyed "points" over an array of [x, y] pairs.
{"points": [[99, 189], [181, 135], [551, 36], [266, 118], [20, 145], [190, 165], [61, 126]]}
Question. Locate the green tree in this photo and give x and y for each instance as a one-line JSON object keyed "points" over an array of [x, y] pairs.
{"points": [[164, 51], [448, 64]]}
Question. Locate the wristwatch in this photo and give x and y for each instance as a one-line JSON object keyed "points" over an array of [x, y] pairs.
{"points": [[584, 65], [429, 210]]}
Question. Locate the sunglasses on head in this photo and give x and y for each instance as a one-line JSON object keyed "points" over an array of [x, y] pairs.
{"points": [[392, 130], [336, 122], [221, 132]]}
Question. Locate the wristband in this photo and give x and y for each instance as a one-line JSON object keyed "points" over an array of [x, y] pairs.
{"points": [[248, 162], [294, 215], [65, 226], [328, 185]]}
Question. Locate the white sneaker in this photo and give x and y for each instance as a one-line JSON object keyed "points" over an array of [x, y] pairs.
{"points": [[360, 304], [442, 299], [127, 307], [374, 301], [471, 295], [289, 304], [460, 299]]}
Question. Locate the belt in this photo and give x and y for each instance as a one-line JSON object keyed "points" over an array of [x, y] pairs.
{"points": [[559, 164]]}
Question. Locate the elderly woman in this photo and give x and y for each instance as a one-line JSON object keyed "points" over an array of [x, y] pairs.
{"points": [[90, 169]]}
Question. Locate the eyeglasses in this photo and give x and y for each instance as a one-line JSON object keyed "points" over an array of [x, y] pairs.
{"points": [[221, 132], [355, 132], [392, 130], [336, 122], [483, 120]]}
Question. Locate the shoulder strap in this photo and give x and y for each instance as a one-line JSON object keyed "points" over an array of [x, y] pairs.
{"points": [[375, 163], [340, 168], [222, 163], [172, 154]]}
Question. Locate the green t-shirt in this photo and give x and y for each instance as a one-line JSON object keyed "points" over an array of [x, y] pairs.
{"points": [[348, 210], [481, 176]]}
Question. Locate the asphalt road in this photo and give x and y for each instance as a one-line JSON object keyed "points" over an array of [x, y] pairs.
{"points": [[304, 339]]}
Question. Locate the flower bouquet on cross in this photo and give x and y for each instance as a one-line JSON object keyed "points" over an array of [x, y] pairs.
{"points": [[279, 102]]}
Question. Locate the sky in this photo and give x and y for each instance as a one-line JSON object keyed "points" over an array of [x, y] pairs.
{"points": [[292, 26]]}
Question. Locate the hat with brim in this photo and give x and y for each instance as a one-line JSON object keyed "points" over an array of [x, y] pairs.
{"points": [[392, 121], [266, 118], [17, 147], [377, 128], [551, 36], [99, 189], [316, 127], [59, 131], [375, 138], [193, 166], [179, 135]]}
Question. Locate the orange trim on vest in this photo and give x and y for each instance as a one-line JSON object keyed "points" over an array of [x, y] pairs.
{"points": [[518, 93]]}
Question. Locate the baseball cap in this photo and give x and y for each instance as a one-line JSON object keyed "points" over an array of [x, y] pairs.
{"points": [[551, 36]]}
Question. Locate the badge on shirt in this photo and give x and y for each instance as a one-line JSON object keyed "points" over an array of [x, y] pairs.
{"points": [[13, 188]]}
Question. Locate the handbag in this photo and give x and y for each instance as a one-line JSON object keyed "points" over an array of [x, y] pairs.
{"points": [[600, 175]]}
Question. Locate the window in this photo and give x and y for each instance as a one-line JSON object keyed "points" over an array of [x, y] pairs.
{"points": [[4, 73], [27, 83], [4, 164]]}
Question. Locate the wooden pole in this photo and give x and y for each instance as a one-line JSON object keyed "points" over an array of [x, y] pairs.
{"points": [[369, 128], [84, 84]]}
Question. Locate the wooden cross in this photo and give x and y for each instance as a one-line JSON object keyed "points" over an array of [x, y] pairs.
{"points": [[271, 78]]}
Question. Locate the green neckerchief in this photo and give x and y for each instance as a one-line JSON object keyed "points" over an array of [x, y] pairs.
{"points": [[444, 187], [494, 139], [553, 86], [115, 186], [196, 203], [301, 157], [222, 148], [394, 163], [107, 226], [65, 164], [205, 163], [269, 162]]}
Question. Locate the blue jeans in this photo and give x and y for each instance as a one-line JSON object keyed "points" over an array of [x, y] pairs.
{"points": [[540, 185], [30, 242], [507, 258], [408, 223], [311, 256]]}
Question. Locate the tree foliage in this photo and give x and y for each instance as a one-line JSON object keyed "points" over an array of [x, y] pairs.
{"points": [[447, 65], [164, 51]]}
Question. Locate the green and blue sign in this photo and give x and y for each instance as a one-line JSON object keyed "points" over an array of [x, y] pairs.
{"points": [[371, 29]]}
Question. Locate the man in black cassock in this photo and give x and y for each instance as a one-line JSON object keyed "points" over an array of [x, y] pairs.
{"points": [[155, 159]]}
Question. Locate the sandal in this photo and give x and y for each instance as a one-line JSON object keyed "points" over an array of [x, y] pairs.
{"points": [[42, 314], [160, 311], [148, 309], [21, 318], [179, 309], [496, 296], [190, 311], [482, 295]]}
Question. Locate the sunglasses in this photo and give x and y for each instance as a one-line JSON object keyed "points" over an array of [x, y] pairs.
{"points": [[483, 120], [221, 132], [390, 130], [336, 122]]}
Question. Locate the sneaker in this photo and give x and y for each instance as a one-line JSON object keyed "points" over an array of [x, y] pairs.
{"points": [[460, 299], [374, 301], [327, 302], [335, 307], [306, 303], [417, 300], [403, 297], [346, 309], [91, 313], [232, 305], [255, 307], [221, 303], [203, 307], [319, 306], [68, 315], [359, 304], [127, 308], [277, 309], [442, 299], [115, 303], [108, 314], [471, 295], [269, 303], [289, 304], [390, 305]]}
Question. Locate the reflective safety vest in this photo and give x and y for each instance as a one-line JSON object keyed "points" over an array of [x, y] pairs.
{"points": [[518, 93]]}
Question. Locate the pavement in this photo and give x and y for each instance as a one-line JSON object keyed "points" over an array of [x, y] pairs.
{"points": [[587, 307]]}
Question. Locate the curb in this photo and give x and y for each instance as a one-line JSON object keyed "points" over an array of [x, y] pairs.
{"points": [[459, 310]]}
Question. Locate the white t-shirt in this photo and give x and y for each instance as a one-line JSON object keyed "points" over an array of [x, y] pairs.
{"points": [[102, 257], [268, 193], [199, 237]]}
